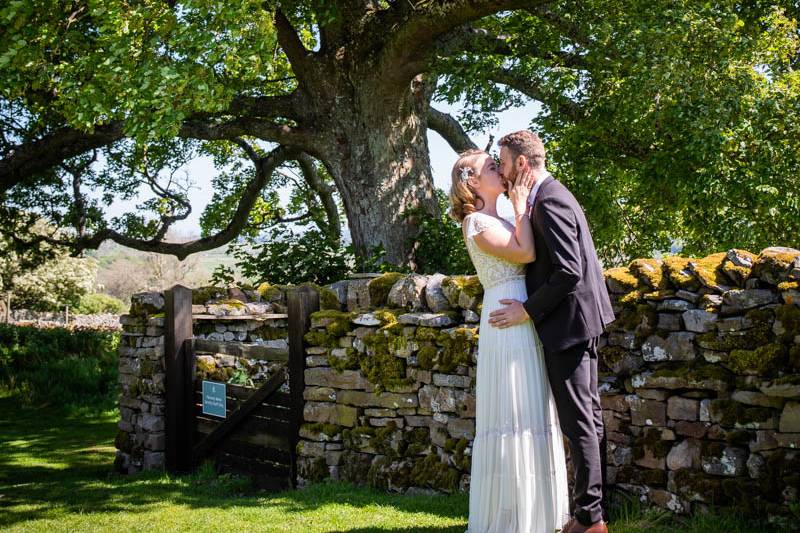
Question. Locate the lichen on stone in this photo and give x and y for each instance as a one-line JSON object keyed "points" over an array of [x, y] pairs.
{"points": [[427, 357], [679, 274], [708, 271], [269, 293], [622, 278], [650, 272]]}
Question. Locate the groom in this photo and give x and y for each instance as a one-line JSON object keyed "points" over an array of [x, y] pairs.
{"points": [[569, 306]]}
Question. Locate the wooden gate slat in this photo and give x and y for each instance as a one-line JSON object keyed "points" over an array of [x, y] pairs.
{"points": [[272, 385], [251, 351], [245, 449], [263, 411], [241, 392]]}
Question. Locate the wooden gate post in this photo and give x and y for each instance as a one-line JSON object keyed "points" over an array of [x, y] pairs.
{"points": [[177, 328], [302, 301]]}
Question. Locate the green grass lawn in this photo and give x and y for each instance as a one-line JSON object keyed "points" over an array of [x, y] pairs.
{"points": [[56, 475]]}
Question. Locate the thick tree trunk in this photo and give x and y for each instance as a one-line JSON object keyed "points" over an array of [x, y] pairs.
{"points": [[379, 159]]}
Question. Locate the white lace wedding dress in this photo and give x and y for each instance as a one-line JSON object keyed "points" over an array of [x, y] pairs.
{"points": [[518, 476]]}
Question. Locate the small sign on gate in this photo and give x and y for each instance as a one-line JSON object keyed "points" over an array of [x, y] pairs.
{"points": [[214, 399]]}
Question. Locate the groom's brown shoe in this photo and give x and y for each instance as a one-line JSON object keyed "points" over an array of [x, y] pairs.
{"points": [[573, 526], [597, 527]]}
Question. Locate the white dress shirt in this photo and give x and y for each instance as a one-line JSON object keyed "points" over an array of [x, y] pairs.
{"points": [[532, 195]]}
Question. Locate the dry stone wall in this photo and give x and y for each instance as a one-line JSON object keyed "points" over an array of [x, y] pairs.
{"points": [[219, 315], [700, 382], [700, 379]]}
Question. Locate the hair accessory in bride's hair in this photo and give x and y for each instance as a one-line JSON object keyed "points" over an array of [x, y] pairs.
{"points": [[466, 172]]}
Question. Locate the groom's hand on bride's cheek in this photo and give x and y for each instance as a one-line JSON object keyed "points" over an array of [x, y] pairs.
{"points": [[512, 314]]}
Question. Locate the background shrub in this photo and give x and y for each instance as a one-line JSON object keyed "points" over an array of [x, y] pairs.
{"points": [[59, 365]]}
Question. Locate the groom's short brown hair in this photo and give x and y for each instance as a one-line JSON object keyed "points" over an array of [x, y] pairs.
{"points": [[525, 143]]}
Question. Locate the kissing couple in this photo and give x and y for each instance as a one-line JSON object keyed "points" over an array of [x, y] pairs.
{"points": [[545, 304]]}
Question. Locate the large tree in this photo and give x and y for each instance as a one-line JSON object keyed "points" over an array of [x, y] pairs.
{"points": [[666, 117]]}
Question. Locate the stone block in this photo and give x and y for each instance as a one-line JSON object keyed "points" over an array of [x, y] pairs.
{"points": [[669, 322], [451, 380], [730, 462], [790, 418], [678, 346], [434, 294], [383, 422], [759, 399], [319, 394], [151, 423], [461, 428], [679, 408], [699, 321], [685, 454], [674, 304], [739, 300], [330, 413], [409, 292], [153, 460], [388, 400], [691, 429], [358, 294], [647, 412], [328, 377]]}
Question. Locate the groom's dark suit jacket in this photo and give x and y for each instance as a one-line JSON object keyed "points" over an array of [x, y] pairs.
{"points": [[567, 297]]}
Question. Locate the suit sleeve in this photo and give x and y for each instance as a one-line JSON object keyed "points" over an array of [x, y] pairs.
{"points": [[560, 230]]}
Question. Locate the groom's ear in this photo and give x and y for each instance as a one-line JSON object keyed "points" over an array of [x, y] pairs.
{"points": [[521, 162]]}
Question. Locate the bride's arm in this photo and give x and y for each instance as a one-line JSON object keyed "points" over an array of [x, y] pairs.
{"points": [[516, 246]]}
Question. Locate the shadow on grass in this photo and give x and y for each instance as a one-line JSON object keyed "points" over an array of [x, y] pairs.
{"points": [[58, 461]]}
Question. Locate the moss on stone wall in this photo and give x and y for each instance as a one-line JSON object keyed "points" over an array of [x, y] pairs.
{"points": [[458, 345], [677, 270], [650, 272], [380, 366], [203, 295], [789, 317], [708, 271], [379, 287], [623, 278], [432, 472], [762, 361]]}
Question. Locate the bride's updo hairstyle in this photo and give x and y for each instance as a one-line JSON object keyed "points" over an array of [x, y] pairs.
{"points": [[463, 199]]}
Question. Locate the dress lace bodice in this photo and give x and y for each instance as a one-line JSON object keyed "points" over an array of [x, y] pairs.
{"points": [[492, 270]]}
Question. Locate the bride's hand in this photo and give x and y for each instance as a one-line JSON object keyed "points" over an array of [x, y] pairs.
{"points": [[521, 190]]}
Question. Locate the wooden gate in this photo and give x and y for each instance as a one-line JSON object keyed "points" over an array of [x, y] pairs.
{"points": [[259, 434]]}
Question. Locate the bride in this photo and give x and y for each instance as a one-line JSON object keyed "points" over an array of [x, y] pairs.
{"points": [[518, 475]]}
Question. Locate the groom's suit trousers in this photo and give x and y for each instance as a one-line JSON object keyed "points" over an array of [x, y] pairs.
{"points": [[573, 379]]}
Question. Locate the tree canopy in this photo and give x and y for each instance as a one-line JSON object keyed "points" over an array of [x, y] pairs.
{"points": [[675, 123]]}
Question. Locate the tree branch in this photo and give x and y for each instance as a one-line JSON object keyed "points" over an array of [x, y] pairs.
{"points": [[291, 44], [480, 41], [47, 152], [325, 193], [419, 24], [450, 129], [265, 166]]}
